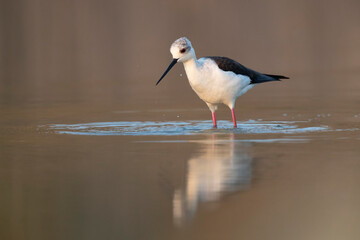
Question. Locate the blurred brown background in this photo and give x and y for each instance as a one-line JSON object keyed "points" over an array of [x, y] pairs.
{"points": [[115, 51], [69, 61]]}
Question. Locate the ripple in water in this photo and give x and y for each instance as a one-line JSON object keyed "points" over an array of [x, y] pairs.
{"points": [[138, 128]]}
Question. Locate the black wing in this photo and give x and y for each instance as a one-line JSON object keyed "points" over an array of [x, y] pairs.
{"points": [[227, 64]]}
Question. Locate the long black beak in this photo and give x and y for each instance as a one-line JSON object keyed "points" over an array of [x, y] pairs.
{"points": [[174, 61]]}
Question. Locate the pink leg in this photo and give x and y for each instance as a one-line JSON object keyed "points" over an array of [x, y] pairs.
{"points": [[233, 117], [214, 119]]}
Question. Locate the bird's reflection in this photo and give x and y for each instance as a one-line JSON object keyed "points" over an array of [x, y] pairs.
{"points": [[221, 166]]}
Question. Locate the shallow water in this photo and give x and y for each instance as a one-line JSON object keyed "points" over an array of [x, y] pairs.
{"points": [[136, 128], [292, 174]]}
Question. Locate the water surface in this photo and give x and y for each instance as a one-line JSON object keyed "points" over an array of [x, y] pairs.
{"points": [[292, 174]]}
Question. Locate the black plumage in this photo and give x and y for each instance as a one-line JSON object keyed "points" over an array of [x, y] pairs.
{"points": [[227, 64]]}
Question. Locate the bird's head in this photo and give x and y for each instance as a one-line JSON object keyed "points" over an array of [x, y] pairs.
{"points": [[182, 51]]}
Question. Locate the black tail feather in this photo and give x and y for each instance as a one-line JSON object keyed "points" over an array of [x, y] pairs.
{"points": [[277, 77], [261, 78]]}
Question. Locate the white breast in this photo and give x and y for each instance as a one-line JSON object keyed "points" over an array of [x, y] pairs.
{"points": [[214, 85]]}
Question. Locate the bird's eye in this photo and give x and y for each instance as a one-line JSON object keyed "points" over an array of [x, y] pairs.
{"points": [[182, 50]]}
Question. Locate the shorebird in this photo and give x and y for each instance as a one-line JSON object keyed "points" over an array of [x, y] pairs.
{"points": [[216, 80]]}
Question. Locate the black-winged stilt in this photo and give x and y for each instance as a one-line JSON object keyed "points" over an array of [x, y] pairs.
{"points": [[216, 80]]}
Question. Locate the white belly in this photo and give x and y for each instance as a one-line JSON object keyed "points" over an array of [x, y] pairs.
{"points": [[215, 86]]}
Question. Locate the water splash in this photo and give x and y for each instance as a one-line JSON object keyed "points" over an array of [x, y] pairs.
{"points": [[149, 128]]}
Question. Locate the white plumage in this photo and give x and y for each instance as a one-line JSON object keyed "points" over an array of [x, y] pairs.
{"points": [[216, 80]]}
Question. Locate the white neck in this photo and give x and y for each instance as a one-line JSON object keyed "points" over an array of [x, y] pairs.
{"points": [[192, 62]]}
